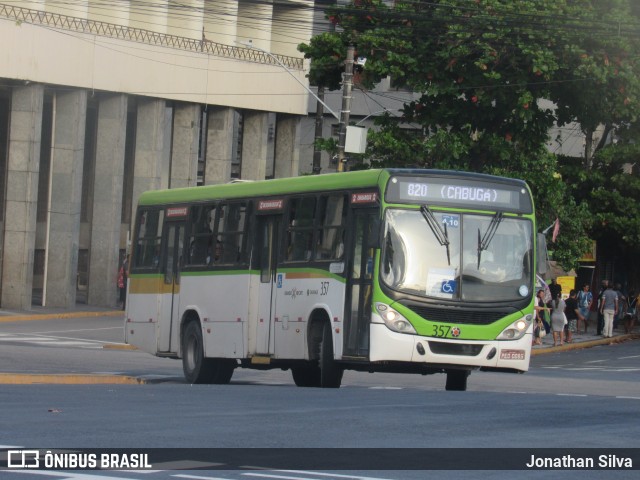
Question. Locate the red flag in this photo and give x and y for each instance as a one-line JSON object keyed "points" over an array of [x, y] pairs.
{"points": [[556, 229]]}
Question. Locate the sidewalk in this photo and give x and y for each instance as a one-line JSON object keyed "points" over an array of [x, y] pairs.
{"points": [[44, 313], [584, 340]]}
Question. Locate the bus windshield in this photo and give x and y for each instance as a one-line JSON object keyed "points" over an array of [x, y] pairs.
{"points": [[486, 258]]}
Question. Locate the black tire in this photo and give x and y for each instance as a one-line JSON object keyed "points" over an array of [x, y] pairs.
{"points": [[306, 376], [330, 371], [222, 370], [196, 368], [457, 380]]}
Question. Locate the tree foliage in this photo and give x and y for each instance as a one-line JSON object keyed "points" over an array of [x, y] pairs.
{"points": [[491, 78]]}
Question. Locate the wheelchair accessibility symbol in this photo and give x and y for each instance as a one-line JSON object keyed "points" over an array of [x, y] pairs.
{"points": [[448, 286]]}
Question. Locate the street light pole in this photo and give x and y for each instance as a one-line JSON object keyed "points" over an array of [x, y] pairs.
{"points": [[317, 152], [346, 106]]}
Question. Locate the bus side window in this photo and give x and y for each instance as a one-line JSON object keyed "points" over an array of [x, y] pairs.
{"points": [[201, 235], [330, 244], [301, 228], [148, 237], [230, 244]]}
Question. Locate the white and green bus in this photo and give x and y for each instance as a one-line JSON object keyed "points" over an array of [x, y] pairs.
{"points": [[395, 270]]}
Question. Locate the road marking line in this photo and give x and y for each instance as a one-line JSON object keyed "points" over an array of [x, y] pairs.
{"points": [[197, 477], [321, 474], [269, 475], [77, 330]]}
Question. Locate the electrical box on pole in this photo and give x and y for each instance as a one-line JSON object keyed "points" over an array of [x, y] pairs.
{"points": [[356, 141]]}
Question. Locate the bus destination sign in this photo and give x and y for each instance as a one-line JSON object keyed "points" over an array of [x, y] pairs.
{"points": [[458, 192]]}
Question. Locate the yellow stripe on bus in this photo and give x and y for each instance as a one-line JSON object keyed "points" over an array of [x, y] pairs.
{"points": [[153, 285], [298, 275]]}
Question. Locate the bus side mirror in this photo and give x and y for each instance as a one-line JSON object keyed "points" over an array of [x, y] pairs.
{"points": [[542, 255]]}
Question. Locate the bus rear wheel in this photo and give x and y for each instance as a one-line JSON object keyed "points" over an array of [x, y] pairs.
{"points": [[196, 368], [457, 380]]}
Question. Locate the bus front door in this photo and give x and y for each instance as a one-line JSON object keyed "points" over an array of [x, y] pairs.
{"points": [[168, 321], [357, 315], [268, 228]]}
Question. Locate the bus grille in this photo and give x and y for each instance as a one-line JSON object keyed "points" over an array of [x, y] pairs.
{"points": [[465, 349], [458, 316]]}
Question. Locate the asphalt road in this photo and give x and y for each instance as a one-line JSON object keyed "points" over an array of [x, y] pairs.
{"points": [[574, 399]]}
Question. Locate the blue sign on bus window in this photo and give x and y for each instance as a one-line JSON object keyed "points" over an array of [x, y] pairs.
{"points": [[279, 281], [449, 286], [452, 221]]}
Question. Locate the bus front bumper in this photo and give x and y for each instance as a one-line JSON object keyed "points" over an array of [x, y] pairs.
{"points": [[389, 346]]}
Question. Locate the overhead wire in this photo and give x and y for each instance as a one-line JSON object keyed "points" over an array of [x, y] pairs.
{"points": [[180, 10]]}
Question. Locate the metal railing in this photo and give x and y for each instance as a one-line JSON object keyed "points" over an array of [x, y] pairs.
{"points": [[65, 22]]}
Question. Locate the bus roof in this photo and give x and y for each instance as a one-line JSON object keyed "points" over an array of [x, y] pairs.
{"points": [[289, 185], [307, 183]]}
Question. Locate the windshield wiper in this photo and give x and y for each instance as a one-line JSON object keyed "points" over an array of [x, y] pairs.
{"points": [[441, 234], [483, 243]]}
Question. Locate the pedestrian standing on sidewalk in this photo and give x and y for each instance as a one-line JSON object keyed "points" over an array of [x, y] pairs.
{"points": [[539, 327], [122, 282], [585, 299], [609, 310], [555, 288], [603, 288], [574, 316], [557, 319]]}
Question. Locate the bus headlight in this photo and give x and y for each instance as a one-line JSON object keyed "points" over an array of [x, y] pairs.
{"points": [[394, 321], [516, 330]]}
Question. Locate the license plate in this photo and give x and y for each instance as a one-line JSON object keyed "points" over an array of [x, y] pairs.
{"points": [[512, 355]]}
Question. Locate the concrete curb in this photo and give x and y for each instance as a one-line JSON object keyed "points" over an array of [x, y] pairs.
{"points": [[591, 343], [51, 316], [119, 346], [68, 379]]}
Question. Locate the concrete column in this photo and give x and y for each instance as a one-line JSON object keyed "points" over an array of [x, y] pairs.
{"points": [[150, 144], [23, 166], [287, 146], [66, 195], [255, 138], [221, 128], [184, 153], [107, 201]]}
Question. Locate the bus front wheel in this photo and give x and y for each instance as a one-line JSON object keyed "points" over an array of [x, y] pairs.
{"points": [[330, 371], [306, 375], [457, 380]]}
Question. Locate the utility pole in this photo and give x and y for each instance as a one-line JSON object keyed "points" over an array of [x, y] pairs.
{"points": [[317, 153], [347, 84]]}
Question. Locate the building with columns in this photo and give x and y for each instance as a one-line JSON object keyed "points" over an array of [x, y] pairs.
{"points": [[102, 100]]}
